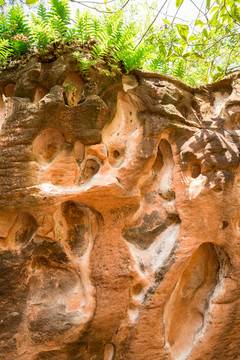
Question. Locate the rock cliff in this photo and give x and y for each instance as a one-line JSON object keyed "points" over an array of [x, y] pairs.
{"points": [[119, 215]]}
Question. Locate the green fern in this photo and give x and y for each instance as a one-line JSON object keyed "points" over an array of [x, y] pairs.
{"points": [[83, 63], [179, 69], [42, 35], [87, 26], [70, 36], [20, 44], [115, 42], [79, 26], [4, 25], [97, 29], [58, 26], [14, 27], [43, 13], [60, 9], [113, 39], [35, 20], [17, 21], [5, 51], [163, 67]]}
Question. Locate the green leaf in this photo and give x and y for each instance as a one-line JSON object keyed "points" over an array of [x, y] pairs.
{"points": [[169, 52], [179, 3], [166, 22], [208, 4], [186, 55], [223, 11], [217, 76], [199, 22], [205, 33], [192, 38], [173, 56], [213, 9], [31, 2], [183, 31], [234, 10], [198, 56], [105, 2], [177, 50], [2, 2]]}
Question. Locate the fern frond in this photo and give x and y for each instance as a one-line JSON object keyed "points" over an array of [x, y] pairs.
{"points": [[79, 26], [4, 24], [17, 21], [43, 13], [135, 59], [42, 35], [19, 46], [88, 28], [70, 35], [59, 27], [5, 51], [59, 16], [179, 69], [83, 63], [35, 19], [60, 9]]}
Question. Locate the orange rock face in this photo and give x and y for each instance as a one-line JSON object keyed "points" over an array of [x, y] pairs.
{"points": [[119, 216]]}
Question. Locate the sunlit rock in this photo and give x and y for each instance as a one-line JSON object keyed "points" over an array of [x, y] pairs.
{"points": [[119, 216]]}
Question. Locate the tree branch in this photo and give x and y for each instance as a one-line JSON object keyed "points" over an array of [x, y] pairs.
{"points": [[96, 2], [200, 10], [223, 37], [150, 25], [235, 21], [83, 3]]}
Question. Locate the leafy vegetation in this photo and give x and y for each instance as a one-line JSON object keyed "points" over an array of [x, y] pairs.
{"points": [[197, 54]]}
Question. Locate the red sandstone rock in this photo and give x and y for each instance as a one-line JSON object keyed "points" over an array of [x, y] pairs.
{"points": [[119, 216]]}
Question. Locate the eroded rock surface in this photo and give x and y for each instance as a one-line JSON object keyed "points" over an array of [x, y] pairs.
{"points": [[119, 216]]}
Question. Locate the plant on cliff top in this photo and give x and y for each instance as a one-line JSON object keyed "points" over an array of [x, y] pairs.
{"points": [[204, 52]]}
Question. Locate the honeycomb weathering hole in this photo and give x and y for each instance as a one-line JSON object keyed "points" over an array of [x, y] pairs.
{"points": [[116, 154], [81, 226], [91, 168], [189, 301], [46, 145], [77, 221], [22, 230], [73, 86], [195, 170], [165, 163], [9, 90], [158, 163], [39, 94]]}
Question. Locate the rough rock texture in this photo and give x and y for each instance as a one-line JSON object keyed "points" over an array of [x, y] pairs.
{"points": [[119, 216]]}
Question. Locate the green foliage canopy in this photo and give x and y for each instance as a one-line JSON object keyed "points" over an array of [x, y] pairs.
{"points": [[200, 54]]}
